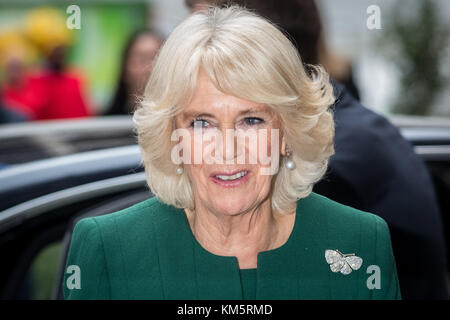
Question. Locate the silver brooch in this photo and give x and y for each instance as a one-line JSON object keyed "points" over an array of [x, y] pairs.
{"points": [[345, 263]]}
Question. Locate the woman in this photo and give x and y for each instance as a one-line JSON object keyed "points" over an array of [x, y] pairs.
{"points": [[231, 219], [138, 55]]}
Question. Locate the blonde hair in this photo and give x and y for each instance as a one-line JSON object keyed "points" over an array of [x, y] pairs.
{"points": [[246, 56]]}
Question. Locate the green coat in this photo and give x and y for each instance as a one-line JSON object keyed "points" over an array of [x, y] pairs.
{"points": [[148, 251]]}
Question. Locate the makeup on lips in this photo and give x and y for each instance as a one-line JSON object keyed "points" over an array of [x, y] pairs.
{"points": [[230, 179]]}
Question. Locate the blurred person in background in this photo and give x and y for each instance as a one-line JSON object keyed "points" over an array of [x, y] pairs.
{"points": [[16, 56], [374, 168], [138, 56], [7, 115], [55, 92], [339, 67], [59, 90], [197, 5]]}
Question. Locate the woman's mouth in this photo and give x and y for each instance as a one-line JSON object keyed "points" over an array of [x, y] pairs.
{"points": [[230, 180]]}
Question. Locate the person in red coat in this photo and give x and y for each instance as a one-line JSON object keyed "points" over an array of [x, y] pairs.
{"points": [[53, 93], [57, 93]]}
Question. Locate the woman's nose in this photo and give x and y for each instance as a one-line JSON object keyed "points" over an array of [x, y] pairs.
{"points": [[227, 148]]}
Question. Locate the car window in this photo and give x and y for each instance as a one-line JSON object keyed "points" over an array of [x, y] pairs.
{"points": [[39, 280]]}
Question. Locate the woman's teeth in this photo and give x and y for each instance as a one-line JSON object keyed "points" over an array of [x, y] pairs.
{"points": [[233, 177]]}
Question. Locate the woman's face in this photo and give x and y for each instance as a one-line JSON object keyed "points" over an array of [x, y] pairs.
{"points": [[231, 174]]}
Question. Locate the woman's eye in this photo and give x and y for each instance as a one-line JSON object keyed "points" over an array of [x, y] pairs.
{"points": [[199, 123], [253, 121]]}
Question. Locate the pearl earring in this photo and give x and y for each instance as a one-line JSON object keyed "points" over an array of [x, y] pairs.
{"points": [[180, 170], [289, 164]]}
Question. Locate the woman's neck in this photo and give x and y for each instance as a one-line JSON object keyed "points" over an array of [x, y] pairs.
{"points": [[243, 235]]}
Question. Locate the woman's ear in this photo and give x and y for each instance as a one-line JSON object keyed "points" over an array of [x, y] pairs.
{"points": [[283, 146]]}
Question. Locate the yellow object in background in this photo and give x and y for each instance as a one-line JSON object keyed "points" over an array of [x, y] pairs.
{"points": [[46, 28], [14, 46]]}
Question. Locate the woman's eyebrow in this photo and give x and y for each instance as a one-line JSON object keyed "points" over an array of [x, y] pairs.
{"points": [[196, 114], [199, 114], [254, 110]]}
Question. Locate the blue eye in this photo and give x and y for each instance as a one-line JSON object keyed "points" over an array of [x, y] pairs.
{"points": [[253, 121], [199, 123]]}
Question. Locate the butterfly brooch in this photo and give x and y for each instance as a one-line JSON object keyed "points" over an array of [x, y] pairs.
{"points": [[345, 263]]}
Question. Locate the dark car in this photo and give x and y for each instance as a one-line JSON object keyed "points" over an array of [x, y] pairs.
{"points": [[56, 173]]}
